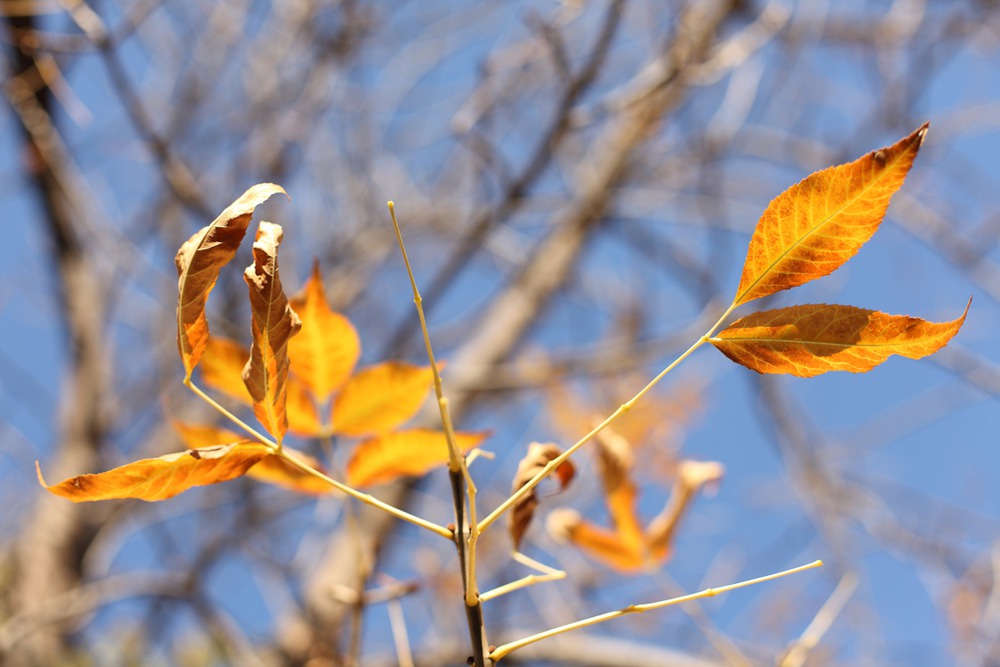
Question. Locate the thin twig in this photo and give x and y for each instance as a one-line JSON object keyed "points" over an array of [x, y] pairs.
{"points": [[506, 649]]}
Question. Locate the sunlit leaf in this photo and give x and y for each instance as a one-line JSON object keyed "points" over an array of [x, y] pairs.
{"points": [[222, 367], [198, 436], [403, 454], [815, 226], [199, 261], [271, 469], [601, 544], [692, 477], [614, 464], [380, 398], [273, 323], [539, 455], [325, 351], [274, 470], [813, 339], [303, 417], [163, 477]]}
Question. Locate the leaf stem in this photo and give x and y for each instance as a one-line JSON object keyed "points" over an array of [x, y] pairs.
{"points": [[506, 649], [548, 574], [622, 409], [189, 383]]}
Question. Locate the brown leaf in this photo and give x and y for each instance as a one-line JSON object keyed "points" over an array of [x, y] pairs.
{"points": [[813, 339], [403, 454], [811, 229], [538, 456], [199, 261], [163, 477], [380, 398], [274, 322], [325, 351]]}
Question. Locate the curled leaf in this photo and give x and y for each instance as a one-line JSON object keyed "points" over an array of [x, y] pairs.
{"points": [[813, 227], [163, 477], [273, 323], [692, 476], [813, 339], [538, 456], [614, 464], [398, 454], [380, 398], [325, 351], [199, 261]]}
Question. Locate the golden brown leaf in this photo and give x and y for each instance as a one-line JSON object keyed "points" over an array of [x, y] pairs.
{"points": [[538, 456], [222, 367], [163, 477], [199, 261], [813, 339], [380, 398], [812, 228], [403, 454], [273, 470], [274, 322], [325, 351]]}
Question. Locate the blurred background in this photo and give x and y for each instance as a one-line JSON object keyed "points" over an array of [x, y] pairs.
{"points": [[577, 183]]}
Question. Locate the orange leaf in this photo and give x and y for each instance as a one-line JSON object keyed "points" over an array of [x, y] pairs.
{"points": [[327, 348], [601, 544], [163, 477], [812, 228], [273, 470], [274, 322], [813, 339], [197, 436], [303, 417], [403, 454], [539, 455], [222, 367], [199, 261], [614, 463], [270, 469], [380, 398]]}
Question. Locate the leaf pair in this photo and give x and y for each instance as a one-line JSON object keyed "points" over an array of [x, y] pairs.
{"points": [[805, 233], [628, 546]]}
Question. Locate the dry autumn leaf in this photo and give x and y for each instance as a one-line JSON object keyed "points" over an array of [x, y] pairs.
{"points": [[813, 339], [614, 464], [163, 477], [327, 348], [380, 398], [539, 455], [403, 454], [199, 261], [274, 323], [601, 544], [812, 228]]}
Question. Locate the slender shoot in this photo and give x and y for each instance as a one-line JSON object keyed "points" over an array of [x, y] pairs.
{"points": [[548, 574], [189, 383], [622, 409], [507, 649]]}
